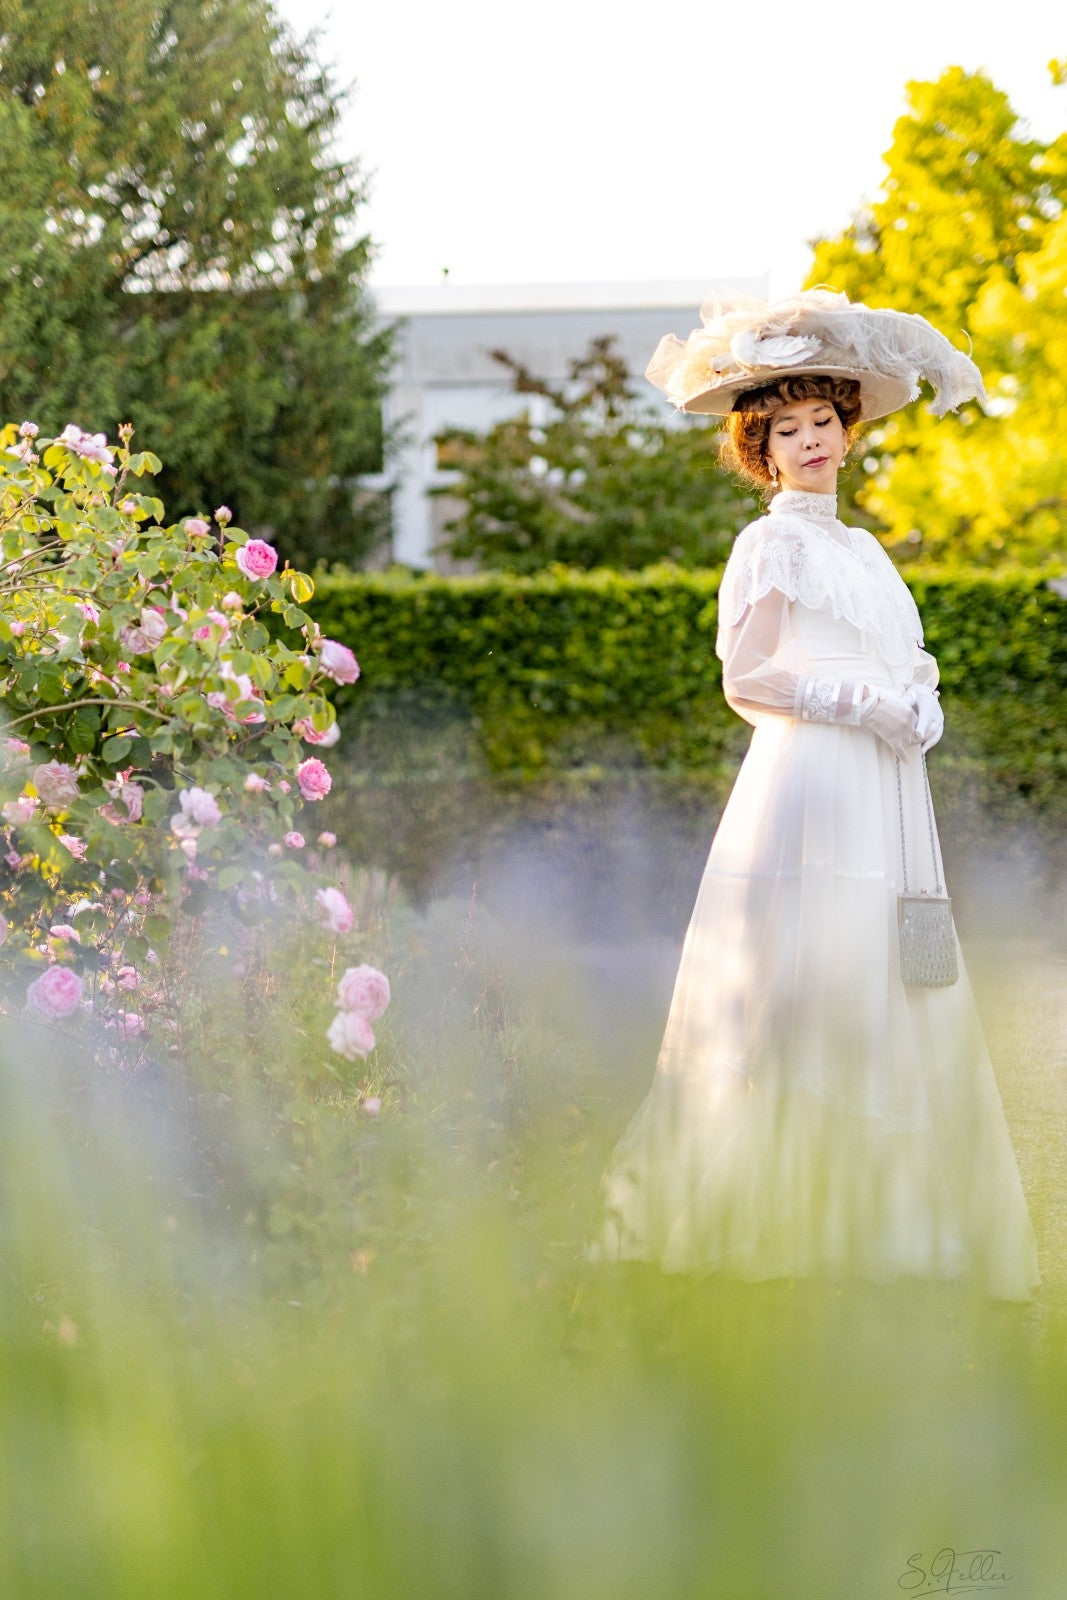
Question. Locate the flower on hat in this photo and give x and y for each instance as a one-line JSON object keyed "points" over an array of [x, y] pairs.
{"points": [[749, 350]]}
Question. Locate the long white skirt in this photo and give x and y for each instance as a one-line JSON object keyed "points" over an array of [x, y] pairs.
{"points": [[809, 1112]]}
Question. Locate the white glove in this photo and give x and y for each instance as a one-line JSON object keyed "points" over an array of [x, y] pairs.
{"points": [[888, 713], [929, 718], [892, 717]]}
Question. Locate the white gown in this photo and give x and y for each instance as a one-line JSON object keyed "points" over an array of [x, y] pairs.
{"points": [[809, 1112]]}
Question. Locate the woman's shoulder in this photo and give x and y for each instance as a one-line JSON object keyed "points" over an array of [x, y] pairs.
{"points": [[772, 528], [866, 540], [770, 553]]}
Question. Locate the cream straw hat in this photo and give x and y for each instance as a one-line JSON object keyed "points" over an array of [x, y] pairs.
{"points": [[746, 344]]}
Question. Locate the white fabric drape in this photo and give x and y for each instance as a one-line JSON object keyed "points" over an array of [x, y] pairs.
{"points": [[808, 1111]]}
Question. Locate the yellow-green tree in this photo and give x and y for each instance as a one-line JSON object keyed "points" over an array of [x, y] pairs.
{"points": [[971, 230]]}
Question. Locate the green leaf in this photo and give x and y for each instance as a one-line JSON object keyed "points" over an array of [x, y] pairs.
{"points": [[123, 874], [114, 751], [83, 730]]}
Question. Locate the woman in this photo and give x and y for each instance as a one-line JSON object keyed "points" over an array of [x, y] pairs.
{"points": [[811, 1110]]}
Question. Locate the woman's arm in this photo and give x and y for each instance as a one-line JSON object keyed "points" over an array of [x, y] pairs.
{"points": [[755, 684], [752, 681]]}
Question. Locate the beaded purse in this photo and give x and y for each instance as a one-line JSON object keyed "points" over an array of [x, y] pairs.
{"points": [[927, 935]]}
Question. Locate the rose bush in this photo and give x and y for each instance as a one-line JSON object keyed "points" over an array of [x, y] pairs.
{"points": [[157, 683]]}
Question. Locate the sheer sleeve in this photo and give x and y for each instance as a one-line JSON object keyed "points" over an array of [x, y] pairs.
{"points": [[775, 567], [926, 669], [757, 682], [753, 680]]}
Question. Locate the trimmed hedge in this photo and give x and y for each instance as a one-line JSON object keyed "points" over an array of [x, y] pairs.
{"points": [[570, 669]]}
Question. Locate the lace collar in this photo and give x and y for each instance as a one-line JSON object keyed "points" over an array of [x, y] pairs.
{"points": [[804, 504]]}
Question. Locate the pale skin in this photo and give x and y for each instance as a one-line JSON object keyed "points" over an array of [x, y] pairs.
{"points": [[807, 444]]}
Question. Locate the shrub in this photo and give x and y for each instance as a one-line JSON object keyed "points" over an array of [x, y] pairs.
{"points": [[154, 734], [566, 668]]}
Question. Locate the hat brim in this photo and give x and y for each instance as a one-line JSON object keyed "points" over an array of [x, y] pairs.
{"points": [[879, 394]]}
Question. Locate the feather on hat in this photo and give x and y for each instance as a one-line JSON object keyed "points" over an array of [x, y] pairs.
{"points": [[745, 344]]}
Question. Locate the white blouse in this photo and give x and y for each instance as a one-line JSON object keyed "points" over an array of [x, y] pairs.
{"points": [[806, 605]]}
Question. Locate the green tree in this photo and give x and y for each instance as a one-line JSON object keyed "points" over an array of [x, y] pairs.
{"points": [[181, 249], [604, 480], [970, 231]]}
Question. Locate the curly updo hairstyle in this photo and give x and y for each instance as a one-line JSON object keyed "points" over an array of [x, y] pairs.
{"points": [[748, 426]]}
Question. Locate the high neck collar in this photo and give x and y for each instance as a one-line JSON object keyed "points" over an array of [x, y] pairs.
{"points": [[804, 504]]}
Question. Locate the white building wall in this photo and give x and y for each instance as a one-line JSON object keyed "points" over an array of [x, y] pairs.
{"points": [[445, 375]]}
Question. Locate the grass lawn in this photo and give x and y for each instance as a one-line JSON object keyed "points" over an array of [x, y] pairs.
{"points": [[256, 1343]]}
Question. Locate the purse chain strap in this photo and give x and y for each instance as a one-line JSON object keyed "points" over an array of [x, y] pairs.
{"points": [[930, 824]]}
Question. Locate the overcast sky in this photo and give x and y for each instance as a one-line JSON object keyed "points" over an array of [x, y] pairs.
{"points": [[580, 141]]}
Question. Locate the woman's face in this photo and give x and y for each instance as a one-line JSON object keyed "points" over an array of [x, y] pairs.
{"points": [[807, 444]]}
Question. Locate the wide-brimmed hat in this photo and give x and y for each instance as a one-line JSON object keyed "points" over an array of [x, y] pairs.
{"points": [[745, 344]]}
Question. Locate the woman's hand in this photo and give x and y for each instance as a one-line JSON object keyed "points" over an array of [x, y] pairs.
{"points": [[929, 718], [892, 717]]}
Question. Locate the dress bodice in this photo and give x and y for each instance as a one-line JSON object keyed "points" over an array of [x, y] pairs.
{"points": [[803, 551]]}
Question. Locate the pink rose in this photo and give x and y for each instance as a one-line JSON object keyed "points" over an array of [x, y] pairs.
{"points": [[141, 638], [124, 793], [55, 994], [338, 662], [223, 514], [372, 1105], [130, 1025], [17, 628], [257, 559], [200, 807], [196, 527], [56, 783], [19, 810], [293, 840], [364, 990], [28, 430], [350, 1035], [214, 619], [91, 447], [245, 689], [128, 978], [274, 851], [336, 912], [254, 784], [231, 600], [16, 749], [327, 839], [327, 738], [63, 930], [88, 610], [76, 846], [314, 779]]}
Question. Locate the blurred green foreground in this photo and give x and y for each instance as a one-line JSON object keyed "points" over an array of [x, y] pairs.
{"points": [[255, 1342]]}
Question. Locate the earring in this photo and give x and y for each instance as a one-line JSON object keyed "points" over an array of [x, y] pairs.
{"points": [[773, 470]]}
